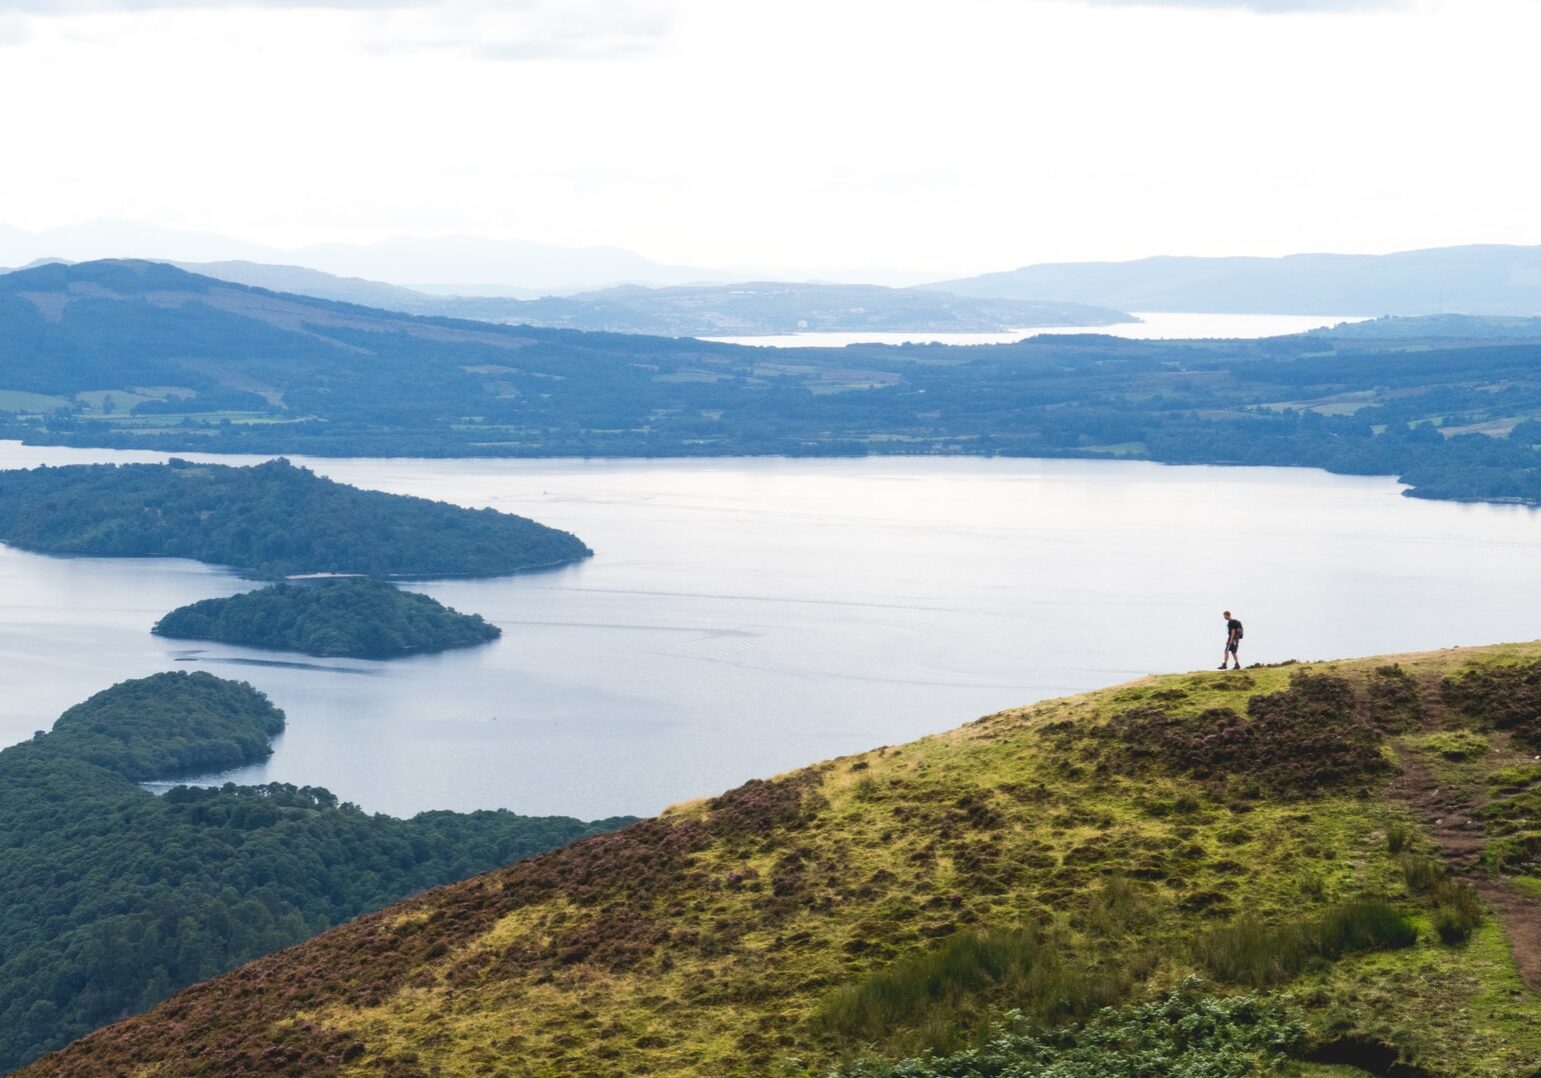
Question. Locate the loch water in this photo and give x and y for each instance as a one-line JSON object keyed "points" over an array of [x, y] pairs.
{"points": [[742, 617]]}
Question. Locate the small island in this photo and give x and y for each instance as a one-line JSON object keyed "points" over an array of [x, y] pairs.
{"points": [[269, 520], [352, 617]]}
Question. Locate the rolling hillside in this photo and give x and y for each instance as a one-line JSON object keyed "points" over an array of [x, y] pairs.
{"points": [[143, 355], [1352, 845], [1491, 279]]}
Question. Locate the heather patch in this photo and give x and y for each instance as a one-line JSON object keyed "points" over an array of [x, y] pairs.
{"points": [[1310, 738], [1507, 697]]}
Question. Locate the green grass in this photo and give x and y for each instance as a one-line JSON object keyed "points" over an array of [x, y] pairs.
{"points": [[1456, 745], [1513, 780], [1526, 885], [17, 400], [112, 401]]}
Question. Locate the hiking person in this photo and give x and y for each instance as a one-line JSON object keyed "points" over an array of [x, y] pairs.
{"points": [[1232, 640]]}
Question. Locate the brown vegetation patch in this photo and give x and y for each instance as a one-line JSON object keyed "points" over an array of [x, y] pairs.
{"points": [[239, 1018], [1392, 701], [618, 939], [1509, 697], [1311, 737], [633, 862], [236, 1024], [760, 808]]}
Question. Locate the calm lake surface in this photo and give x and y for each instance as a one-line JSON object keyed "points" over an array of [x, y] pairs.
{"points": [[742, 617], [1153, 326]]}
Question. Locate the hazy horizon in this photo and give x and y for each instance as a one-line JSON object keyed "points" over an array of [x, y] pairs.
{"points": [[460, 257]]}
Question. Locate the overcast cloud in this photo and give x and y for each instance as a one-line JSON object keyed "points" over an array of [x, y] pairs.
{"points": [[1266, 6], [945, 138], [13, 30], [88, 7], [498, 30]]}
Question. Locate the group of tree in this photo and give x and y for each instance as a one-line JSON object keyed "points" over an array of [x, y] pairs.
{"points": [[111, 898], [348, 616]]}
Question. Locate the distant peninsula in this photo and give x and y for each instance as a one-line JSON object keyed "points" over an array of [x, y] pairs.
{"points": [[268, 520], [352, 617]]}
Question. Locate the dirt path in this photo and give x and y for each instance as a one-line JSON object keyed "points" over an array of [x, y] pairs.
{"points": [[1450, 818]]}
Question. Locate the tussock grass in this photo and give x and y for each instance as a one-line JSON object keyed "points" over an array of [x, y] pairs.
{"points": [[1398, 837], [1422, 873], [1458, 908], [1116, 907], [1251, 952], [1457, 913], [929, 999]]}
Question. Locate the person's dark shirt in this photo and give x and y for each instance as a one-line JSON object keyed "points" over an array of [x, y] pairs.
{"points": [[1232, 629]]}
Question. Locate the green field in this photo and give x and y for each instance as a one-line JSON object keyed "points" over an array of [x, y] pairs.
{"points": [[16, 400]]}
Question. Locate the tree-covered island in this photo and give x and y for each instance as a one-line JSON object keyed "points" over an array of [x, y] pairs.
{"points": [[354, 617], [272, 519]]}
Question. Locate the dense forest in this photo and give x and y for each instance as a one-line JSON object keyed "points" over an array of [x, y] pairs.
{"points": [[112, 898], [89, 360], [351, 616], [272, 519]]}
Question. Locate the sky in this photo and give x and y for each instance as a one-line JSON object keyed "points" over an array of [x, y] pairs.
{"points": [[939, 137]]}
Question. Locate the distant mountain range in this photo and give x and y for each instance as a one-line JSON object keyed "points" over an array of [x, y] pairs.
{"points": [[465, 265], [1477, 279], [741, 309], [1492, 279], [303, 281]]}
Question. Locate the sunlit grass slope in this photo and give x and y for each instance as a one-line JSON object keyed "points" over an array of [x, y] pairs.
{"points": [[1267, 831]]}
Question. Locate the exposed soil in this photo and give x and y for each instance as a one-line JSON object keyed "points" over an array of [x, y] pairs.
{"points": [[1451, 819]]}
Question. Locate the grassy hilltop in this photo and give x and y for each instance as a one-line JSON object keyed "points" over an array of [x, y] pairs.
{"points": [[1353, 845]]}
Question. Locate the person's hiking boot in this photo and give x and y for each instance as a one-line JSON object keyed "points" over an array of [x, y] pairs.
{"points": [[1222, 666]]}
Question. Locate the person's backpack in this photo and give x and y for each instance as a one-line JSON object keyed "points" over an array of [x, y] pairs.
{"points": [[1240, 632]]}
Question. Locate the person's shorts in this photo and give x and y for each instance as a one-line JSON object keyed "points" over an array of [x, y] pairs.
{"points": [[1231, 646]]}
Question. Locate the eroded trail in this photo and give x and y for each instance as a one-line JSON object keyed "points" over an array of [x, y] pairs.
{"points": [[1451, 817]]}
